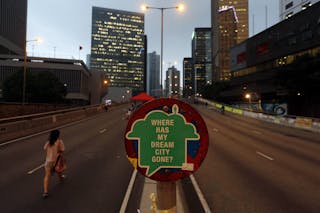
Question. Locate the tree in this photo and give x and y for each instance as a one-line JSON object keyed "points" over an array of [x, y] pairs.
{"points": [[12, 86], [48, 89], [213, 91], [43, 87]]}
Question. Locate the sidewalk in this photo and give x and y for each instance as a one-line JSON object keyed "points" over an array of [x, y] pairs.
{"points": [[150, 187]]}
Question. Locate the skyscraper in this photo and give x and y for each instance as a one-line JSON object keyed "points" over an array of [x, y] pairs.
{"points": [[117, 47], [228, 32], [241, 13], [187, 78], [153, 70], [13, 26], [172, 82], [201, 58]]}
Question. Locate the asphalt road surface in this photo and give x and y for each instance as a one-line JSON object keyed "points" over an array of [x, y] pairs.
{"points": [[97, 177], [254, 166], [251, 166]]}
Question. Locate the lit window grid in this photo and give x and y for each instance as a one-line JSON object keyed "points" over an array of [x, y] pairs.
{"points": [[117, 40], [241, 7]]}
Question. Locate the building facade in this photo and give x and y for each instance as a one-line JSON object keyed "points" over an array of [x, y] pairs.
{"points": [[117, 47], [256, 62], [73, 74], [201, 58], [290, 7], [187, 77], [13, 26], [242, 28], [172, 82], [228, 37], [153, 73]]}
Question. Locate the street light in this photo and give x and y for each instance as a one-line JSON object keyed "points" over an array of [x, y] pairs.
{"points": [[38, 40], [179, 7], [248, 96]]}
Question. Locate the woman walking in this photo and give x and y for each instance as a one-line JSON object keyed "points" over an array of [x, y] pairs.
{"points": [[53, 148]]}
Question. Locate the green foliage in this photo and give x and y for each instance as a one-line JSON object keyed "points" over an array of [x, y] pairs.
{"points": [[213, 91], [43, 87]]}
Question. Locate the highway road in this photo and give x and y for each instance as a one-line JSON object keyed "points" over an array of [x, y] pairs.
{"points": [[98, 170], [251, 166], [254, 166]]}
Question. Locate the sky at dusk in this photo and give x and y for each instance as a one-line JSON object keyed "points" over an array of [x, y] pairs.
{"points": [[64, 25]]}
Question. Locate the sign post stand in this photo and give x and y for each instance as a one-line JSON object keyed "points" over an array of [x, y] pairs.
{"points": [[166, 140], [166, 196]]}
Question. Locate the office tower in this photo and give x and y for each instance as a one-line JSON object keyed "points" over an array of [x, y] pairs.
{"points": [[275, 65], [241, 12], [13, 26], [88, 58], [117, 47], [143, 52], [201, 58], [290, 7], [227, 39], [172, 82], [153, 73], [187, 77]]}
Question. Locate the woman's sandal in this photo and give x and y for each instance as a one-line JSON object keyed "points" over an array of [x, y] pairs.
{"points": [[45, 195]]}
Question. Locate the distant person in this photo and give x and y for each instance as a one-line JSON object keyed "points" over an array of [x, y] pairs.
{"points": [[53, 148], [128, 114], [222, 109]]}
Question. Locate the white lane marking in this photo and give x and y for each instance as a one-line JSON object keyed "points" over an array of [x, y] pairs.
{"points": [[102, 131], [127, 196], [265, 156], [35, 169], [203, 201], [215, 130], [257, 132]]}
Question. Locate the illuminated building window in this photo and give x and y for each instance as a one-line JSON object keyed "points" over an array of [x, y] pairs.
{"points": [[117, 37]]}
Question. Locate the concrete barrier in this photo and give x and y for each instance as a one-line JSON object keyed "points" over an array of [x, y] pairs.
{"points": [[16, 129], [312, 124]]}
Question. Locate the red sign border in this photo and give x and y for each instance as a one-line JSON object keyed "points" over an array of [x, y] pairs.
{"points": [[192, 116]]}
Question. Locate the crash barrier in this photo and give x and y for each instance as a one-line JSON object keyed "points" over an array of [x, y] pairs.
{"points": [[15, 127], [312, 124]]}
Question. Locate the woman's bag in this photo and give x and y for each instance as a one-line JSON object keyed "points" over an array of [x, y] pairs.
{"points": [[60, 165]]}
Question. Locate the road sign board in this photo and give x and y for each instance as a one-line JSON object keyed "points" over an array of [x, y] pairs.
{"points": [[166, 139]]}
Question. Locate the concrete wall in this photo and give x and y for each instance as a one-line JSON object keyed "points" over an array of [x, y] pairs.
{"points": [[12, 110], [16, 129]]}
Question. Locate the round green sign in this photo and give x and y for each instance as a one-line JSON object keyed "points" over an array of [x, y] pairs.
{"points": [[166, 139]]}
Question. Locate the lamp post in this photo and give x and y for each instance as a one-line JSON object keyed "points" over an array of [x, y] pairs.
{"points": [[162, 9], [38, 40], [248, 96]]}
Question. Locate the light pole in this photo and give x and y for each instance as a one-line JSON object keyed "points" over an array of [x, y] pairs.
{"points": [[248, 96], [146, 7], [38, 40]]}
